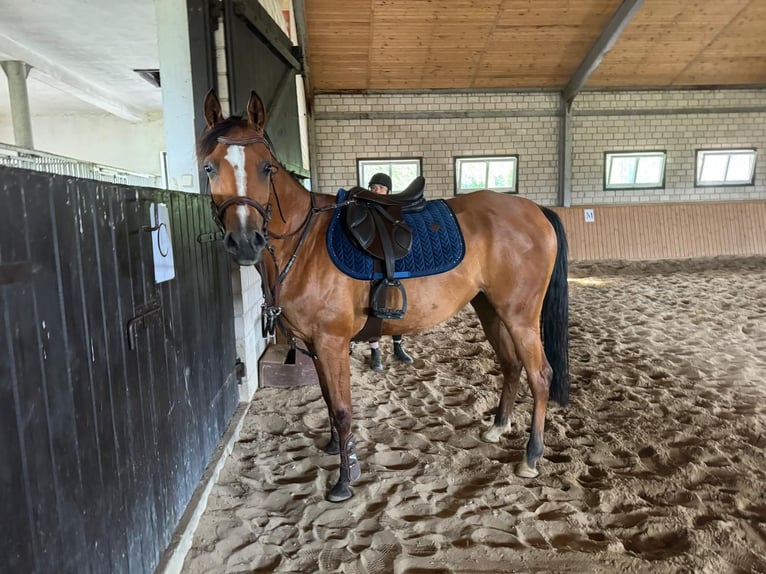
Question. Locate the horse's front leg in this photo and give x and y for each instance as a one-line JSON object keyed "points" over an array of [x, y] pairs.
{"points": [[333, 445], [334, 372]]}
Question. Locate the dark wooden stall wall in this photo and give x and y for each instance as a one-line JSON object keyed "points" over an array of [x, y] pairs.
{"points": [[102, 445]]}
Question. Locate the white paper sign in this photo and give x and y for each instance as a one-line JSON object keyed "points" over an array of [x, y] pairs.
{"points": [[162, 246], [590, 217]]}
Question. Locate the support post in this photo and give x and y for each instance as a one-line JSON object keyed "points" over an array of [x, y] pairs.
{"points": [[299, 12], [565, 152], [184, 41], [17, 73], [609, 35]]}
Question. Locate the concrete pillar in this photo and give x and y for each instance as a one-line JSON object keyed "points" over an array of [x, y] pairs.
{"points": [[17, 73], [177, 94]]}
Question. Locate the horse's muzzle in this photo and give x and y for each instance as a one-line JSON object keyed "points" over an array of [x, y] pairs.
{"points": [[247, 248]]}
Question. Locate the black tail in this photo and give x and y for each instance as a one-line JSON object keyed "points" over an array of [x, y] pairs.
{"points": [[555, 317]]}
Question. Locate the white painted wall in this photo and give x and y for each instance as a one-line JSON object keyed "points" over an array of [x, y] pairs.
{"points": [[97, 137]]}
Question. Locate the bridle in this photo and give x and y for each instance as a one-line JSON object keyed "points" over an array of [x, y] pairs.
{"points": [[265, 213], [271, 308]]}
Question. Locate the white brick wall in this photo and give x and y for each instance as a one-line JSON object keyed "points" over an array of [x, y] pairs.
{"points": [[248, 297], [706, 124], [670, 99], [439, 126]]}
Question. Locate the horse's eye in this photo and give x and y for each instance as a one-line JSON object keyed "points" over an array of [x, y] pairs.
{"points": [[268, 169], [208, 168]]}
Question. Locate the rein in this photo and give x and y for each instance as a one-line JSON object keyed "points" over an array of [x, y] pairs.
{"points": [[271, 308]]}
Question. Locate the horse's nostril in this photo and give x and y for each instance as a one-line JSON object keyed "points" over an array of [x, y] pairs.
{"points": [[258, 241], [229, 243]]}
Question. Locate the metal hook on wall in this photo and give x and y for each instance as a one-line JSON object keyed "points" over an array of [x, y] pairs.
{"points": [[158, 226]]}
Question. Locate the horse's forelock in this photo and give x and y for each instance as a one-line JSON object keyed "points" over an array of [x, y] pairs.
{"points": [[209, 138]]}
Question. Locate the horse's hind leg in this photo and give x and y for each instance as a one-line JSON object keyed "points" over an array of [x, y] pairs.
{"points": [[501, 342], [526, 336]]}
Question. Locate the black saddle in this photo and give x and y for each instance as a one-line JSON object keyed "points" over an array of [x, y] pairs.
{"points": [[375, 222], [410, 200]]}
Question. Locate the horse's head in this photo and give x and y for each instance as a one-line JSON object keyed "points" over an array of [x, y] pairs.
{"points": [[239, 162]]}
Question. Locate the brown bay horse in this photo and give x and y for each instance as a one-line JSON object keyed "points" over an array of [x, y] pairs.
{"points": [[514, 274]]}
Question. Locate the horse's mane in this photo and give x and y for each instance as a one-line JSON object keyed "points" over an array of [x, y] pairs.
{"points": [[209, 138]]}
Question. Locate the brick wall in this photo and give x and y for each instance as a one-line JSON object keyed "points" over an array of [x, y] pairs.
{"points": [[439, 126], [678, 122]]}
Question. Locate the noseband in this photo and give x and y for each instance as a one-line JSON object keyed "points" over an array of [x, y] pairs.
{"points": [[265, 212]]}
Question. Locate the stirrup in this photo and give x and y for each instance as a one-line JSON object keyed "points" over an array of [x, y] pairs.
{"points": [[386, 312]]}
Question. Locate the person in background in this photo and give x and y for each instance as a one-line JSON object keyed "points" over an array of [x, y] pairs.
{"points": [[381, 183]]}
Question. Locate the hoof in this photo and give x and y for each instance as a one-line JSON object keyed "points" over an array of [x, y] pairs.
{"points": [[340, 492], [493, 433], [333, 447], [526, 471]]}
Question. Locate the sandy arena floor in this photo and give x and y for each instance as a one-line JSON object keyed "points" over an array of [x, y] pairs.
{"points": [[658, 465]]}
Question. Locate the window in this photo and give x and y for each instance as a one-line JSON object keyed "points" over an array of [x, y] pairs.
{"points": [[499, 173], [634, 170], [402, 171], [725, 167]]}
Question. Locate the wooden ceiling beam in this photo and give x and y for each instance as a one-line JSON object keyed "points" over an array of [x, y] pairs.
{"points": [[395, 44], [601, 46]]}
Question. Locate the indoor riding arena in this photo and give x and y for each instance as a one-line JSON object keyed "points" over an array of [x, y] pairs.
{"points": [[659, 462], [638, 125]]}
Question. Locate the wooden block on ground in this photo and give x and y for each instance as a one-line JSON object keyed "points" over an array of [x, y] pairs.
{"points": [[274, 373]]}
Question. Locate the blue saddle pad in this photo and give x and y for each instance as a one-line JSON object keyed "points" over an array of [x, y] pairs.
{"points": [[437, 244]]}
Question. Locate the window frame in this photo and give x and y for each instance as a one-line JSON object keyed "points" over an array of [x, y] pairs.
{"points": [[389, 160], [730, 151], [488, 159], [612, 187]]}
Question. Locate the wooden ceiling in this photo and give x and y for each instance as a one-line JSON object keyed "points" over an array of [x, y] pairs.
{"points": [[482, 44]]}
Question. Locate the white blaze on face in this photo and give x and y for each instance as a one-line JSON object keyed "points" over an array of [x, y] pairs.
{"points": [[235, 155]]}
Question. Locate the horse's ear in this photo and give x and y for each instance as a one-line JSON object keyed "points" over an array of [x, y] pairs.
{"points": [[213, 113], [256, 113]]}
